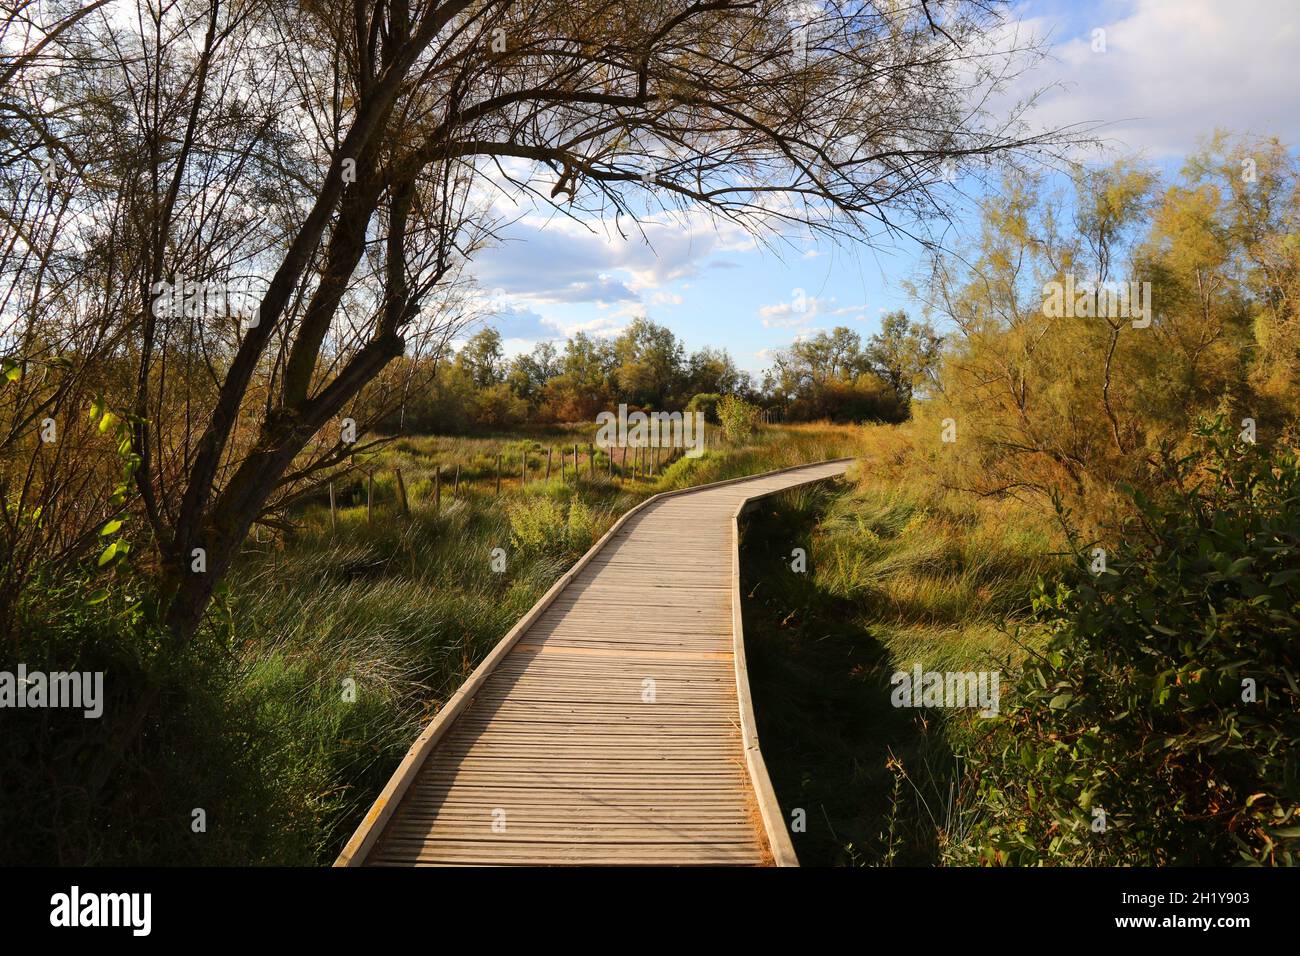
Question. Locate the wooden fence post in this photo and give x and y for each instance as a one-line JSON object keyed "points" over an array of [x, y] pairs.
{"points": [[455, 489], [437, 489], [498, 473], [591, 460], [576, 474], [333, 521], [370, 494], [548, 464], [401, 492], [523, 467]]}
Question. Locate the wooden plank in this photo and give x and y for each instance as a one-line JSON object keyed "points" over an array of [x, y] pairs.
{"points": [[553, 730]]}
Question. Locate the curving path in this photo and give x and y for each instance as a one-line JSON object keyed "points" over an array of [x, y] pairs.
{"points": [[612, 725]]}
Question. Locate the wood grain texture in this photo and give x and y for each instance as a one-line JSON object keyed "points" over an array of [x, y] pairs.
{"points": [[613, 724]]}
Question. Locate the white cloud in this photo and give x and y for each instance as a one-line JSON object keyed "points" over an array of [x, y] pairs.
{"points": [[604, 327], [551, 259], [1173, 70], [791, 314], [787, 315]]}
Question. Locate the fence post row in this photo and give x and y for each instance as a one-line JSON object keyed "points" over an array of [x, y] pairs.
{"points": [[401, 492], [643, 466]]}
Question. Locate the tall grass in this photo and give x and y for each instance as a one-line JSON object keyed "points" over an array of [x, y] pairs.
{"points": [[404, 607], [899, 573], [328, 647]]}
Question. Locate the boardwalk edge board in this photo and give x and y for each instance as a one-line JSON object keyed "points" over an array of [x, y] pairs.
{"points": [[377, 817]]}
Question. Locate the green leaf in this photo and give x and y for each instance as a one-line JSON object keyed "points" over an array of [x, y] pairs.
{"points": [[110, 528], [109, 553]]}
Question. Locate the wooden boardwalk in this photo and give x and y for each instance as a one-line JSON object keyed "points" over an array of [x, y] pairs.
{"points": [[613, 724]]}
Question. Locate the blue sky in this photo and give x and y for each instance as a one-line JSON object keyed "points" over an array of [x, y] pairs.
{"points": [[1172, 71]]}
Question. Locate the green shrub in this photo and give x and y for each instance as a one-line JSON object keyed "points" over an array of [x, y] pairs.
{"points": [[582, 527], [1139, 710], [538, 524], [738, 417]]}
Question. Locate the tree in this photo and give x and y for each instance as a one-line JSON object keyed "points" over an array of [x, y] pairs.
{"points": [[650, 364], [530, 374], [335, 157], [712, 371], [1257, 181], [1043, 398], [829, 375], [1066, 403], [483, 359], [814, 361], [582, 388], [905, 354], [707, 403], [739, 419]]}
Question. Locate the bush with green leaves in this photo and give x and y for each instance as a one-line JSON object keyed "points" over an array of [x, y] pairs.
{"points": [[543, 524], [1159, 723], [538, 524], [738, 417]]}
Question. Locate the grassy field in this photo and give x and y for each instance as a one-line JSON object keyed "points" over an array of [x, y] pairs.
{"points": [[333, 643], [897, 574], [346, 639], [335, 640]]}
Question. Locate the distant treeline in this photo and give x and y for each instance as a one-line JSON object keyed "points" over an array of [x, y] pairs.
{"points": [[831, 375]]}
